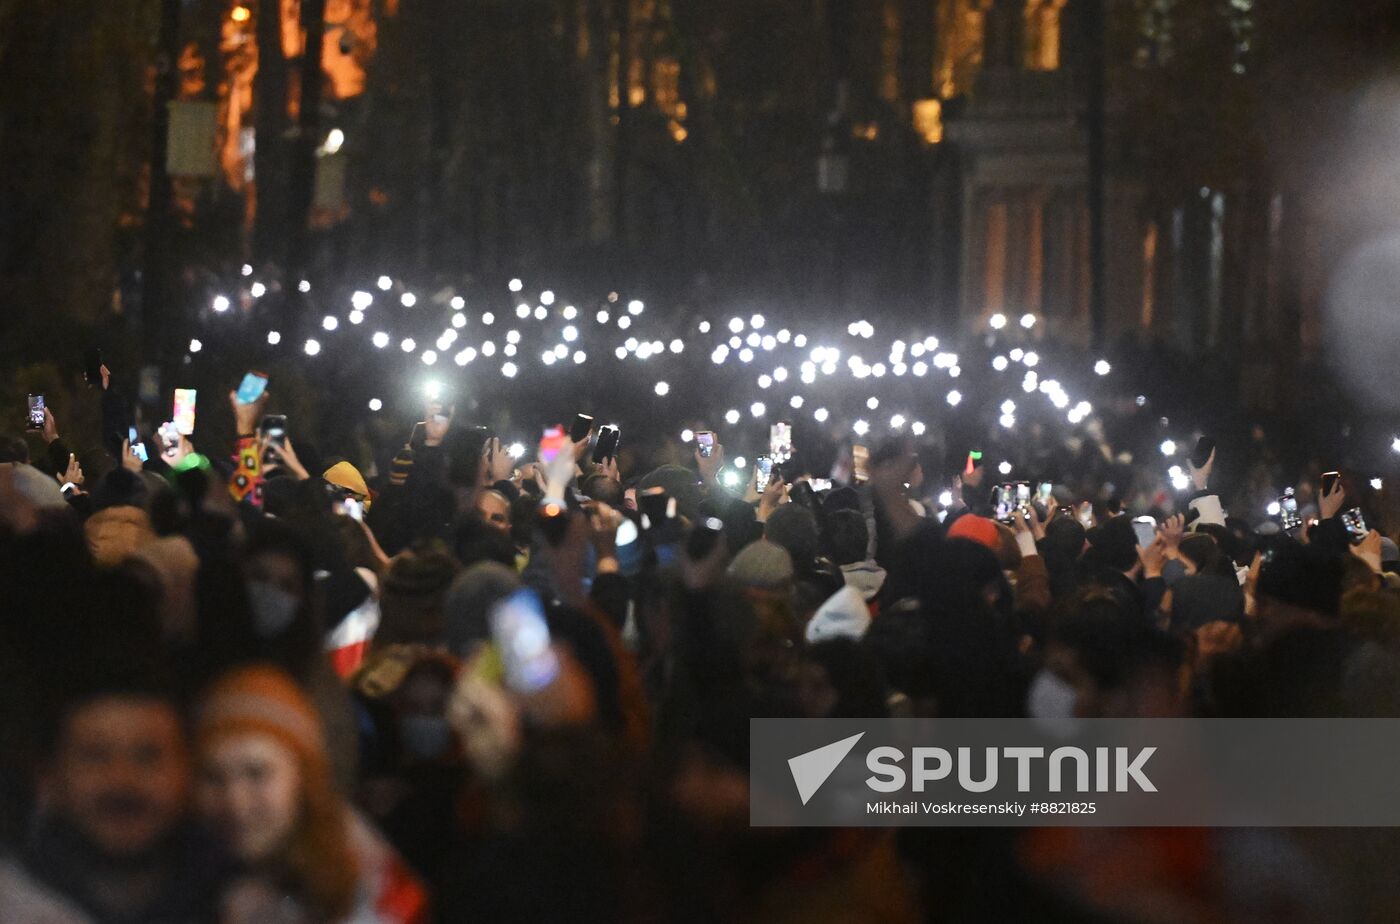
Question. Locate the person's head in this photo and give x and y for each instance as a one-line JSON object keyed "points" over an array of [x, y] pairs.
{"points": [[793, 527], [1113, 544], [277, 573], [846, 537], [1201, 554], [118, 772], [602, 488], [1298, 584], [265, 786], [467, 606], [412, 600], [494, 509], [13, 449]]}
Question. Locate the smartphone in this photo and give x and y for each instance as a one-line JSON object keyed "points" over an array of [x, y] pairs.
{"points": [[252, 387], [705, 441], [763, 467], [1201, 454], [1009, 498], [582, 426], [274, 429], [1355, 523], [606, 448], [820, 485], [974, 459], [92, 366], [184, 410], [418, 437], [1145, 528], [1288, 511], [1043, 493], [657, 508], [704, 537], [139, 451], [553, 442], [780, 441], [35, 420], [1330, 481], [860, 463], [521, 636]]}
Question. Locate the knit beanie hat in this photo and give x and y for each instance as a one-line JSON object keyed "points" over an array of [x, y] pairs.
{"points": [[980, 530], [412, 597], [346, 476], [469, 600], [762, 565], [262, 699], [793, 527]]}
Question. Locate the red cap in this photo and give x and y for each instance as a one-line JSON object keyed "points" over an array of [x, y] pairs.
{"points": [[979, 529]]}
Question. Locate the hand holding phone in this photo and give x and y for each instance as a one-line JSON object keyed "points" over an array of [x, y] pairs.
{"points": [[251, 388], [763, 471], [581, 428], [35, 420]]}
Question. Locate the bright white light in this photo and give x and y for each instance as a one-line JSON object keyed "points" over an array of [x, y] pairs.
{"points": [[624, 322], [384, 282], [488, 319], [731, 416], [1030, 359], [432, 389], [312, 348], [274, 338], [541, 312], [329, 322], [780, 374], [795, 402], [740, 462], [1273, 509], [720, 354], [662, 389], [735, 343], [221, 303], [508, 370], [547, 357], [1016, 354], [878, 370], [1004, 468], [375, 404], [515, 285], [1377, 484], [757, 409], [920, 368], [753, 339], [356, 316], [458, 303], [1008, 420], [602, 317], [756, 321], [196, 346], [515, 450], [687, 435], [644, 351], [510, 349], [917, 428], [765, 381], [304, 286], [1395, 444], [546, 297], [1008, 406], [570, 333], [1102, 367], [769, 342], [247, 269], [522, 311], [635, 307], [488, 349], [620, 352], [899, 368], [746, 355], [569, 312], [1180, 481], [999, 363], [459, 320], [998, 321], [799, 341], [408, 299], [334, 139], [860, 427], [257, 289], [512, 336], [1028, 321], [380, 339], [730, 479], [703, 327], [736, 325], [945, 499], [580, 357], [1168, 447], [408, 345], [872, 402], [677, 345], [897, 421], [820, 415], [954, 371], [784, 335], [429, 357], [464, 357], [954, 397]]}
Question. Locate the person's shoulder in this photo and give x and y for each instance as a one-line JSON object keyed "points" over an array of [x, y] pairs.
{"points": [[23, 900]]}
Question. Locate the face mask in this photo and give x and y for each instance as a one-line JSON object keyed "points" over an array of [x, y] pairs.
{"points": [[273, 608], [426, 736], [1050, 697]]}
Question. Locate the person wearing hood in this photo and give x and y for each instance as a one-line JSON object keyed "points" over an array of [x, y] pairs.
{"points": [[845, 541]]}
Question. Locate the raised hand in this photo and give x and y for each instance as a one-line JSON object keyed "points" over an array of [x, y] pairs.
{"points": [[247, 416], [709, 467], [1200, 477], [130, 461], [50, 426], [1330, 503]]}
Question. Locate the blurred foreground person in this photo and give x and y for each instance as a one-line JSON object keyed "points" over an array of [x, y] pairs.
{"points": [[265, 788]]}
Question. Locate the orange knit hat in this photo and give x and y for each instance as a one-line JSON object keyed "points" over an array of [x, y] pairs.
{"points": [[979, 529], [263, 699]]}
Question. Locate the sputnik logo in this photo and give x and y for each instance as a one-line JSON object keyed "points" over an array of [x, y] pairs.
{"points": [[812, 769]]}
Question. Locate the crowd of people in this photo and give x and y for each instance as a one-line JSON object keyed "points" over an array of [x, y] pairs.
{"points": [[250, 684]]}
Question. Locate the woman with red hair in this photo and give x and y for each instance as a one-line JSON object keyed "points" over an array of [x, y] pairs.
{"points": [[265, 787]]}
